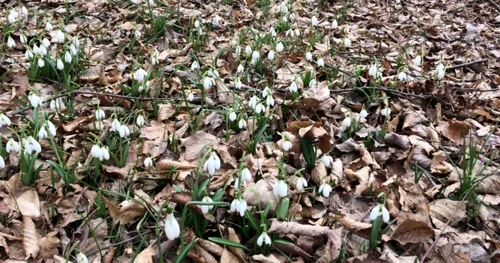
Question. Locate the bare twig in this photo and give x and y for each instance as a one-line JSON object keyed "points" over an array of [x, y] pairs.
{"points": [[466, 64], [495, 5]]}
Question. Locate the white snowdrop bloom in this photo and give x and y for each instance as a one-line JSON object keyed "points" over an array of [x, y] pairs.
{"points": [[264, 239], [206, 208], [283, 8], [195, 65], [45, 42], [290, 33], [154, 57], [10, 42], [347, 42], [148, 162], [314, 21], [297, 32], [273, 32], [124, 131], [172, 228], [270, 55], [42, 133], [2, 162], [31, 145], [105, 153], [363, 113], [24, 11], [286, 145], [291, 17], [12, 145], [255, 55], [121, 67], [96, 151], [301, 183], [248, 50], [373, 71], [197, 23], [137, 34], [252, 103], [240, 69], [151, 3], [327, 160], [216, 20], [207, 83], [237, 51], [417, 61], [237, 83], [309, 56], [212, 163], [48, 26], [60, 64], [312, 83], [60, 36], [4, 120], [213, 73], [346, 123], [334, 24], [280, 188], [28, 54], [67, 57], [325, 189], [76, 43], [259, 108], [115, 125], [12, 17], [239, 206], [380, 210], [232, 116], [35, 100], [402, 76], [284, 19], [386, 112], [81, 258], [52, 128], [43, 50], [398, 1], [440, 70], [139, 120], [246, 176], [279, 47], [99, 114], [41, 63], [23, 38], [242, 124], [190, 96], [293, 87], [269, 101], [266, 92], [36, 49], [140, 75]]}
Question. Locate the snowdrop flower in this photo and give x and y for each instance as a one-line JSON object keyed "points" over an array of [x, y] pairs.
{"points": [[12, 145], [42, 133], [301, 183], [60, 64], [206, 208], [373, 71], [292, 17], [36, 49], [60, 36], [417, 61], [290, 33], [279, 47], [154, 57], [45, 42], [140, 74], [280, 188], [24, 11], [259, 108], [297, 32], [12, 18], [320, 62], [238, 205], [238, 50], [309, 56], [269, 101], [363, 113], [212, 163], [346, 123], [31, 145], [232, 116], [124, 131], [255, 55], [99, 114], [283, 8], [35, 100], [314, 21], [52, 128], [237, 83], [248, 50], [213, 73], [242, 124], [347, 42], [115, 125], [76, 43], [207, 83], [402, 76], [286, 145], [41, 63], [334, 24], [23, 38], [4, 120], [325, 189], [148, 162], [67, 57], [100, 153], [380, 210], [266, 92], [273, 32], [293, 87], [270, 55], [240, 69], [197, 23], [216, 20], [284, 19], [28, 54], [43, 50], [172, 228], [386, 112], [252, 103], [81, 258], [195, 65], [48, 26], [440, 70], [2, 162], [137, 34], [121, 67], [190, 96], [140, 120], [246, 176], [264, 239], [327, 160], [10, 42]]}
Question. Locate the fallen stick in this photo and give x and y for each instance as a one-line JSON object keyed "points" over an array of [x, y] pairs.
{"points": [[466, 64]]}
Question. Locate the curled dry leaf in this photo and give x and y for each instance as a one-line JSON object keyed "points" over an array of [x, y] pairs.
{"points": [[146, 256], [208, 258], [166, 165], [454, 130], [29, 204], [30, 238], [444, 210], [126, 211], [410, 231], [211, 247], [318, 174]]}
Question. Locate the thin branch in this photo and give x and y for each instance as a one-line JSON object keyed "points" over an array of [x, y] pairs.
{"points": [[466, 64], [495, 5]]}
